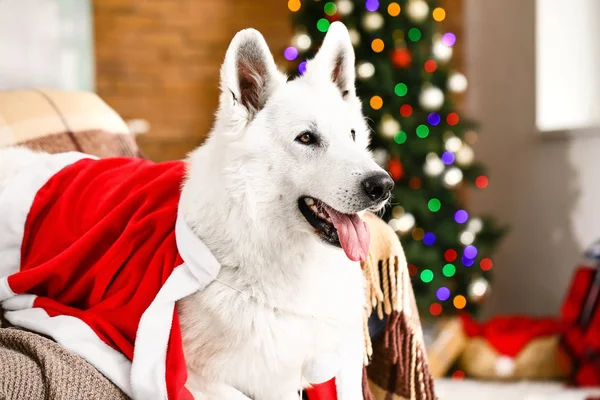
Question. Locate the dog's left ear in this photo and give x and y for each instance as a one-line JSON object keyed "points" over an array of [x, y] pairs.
{"points": [[248, 74], [335, 59]]}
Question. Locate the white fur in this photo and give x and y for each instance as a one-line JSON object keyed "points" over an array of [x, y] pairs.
{"points": [[241, 198]]}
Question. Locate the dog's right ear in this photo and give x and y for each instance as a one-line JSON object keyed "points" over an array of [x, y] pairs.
{"points": [[248, 74]]}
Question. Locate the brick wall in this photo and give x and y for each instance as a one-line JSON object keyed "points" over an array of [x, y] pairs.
{"points": [[159, 60]]}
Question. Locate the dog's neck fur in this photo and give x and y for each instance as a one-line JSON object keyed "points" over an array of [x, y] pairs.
{"points": [[256, 247]]}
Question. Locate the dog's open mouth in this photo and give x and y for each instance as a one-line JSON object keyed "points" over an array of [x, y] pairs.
{"points": [[347, 231]]}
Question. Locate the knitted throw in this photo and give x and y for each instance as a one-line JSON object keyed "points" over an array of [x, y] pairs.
{"points": [[396, 366]]}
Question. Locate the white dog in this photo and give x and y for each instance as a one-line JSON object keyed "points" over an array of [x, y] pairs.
{"points": [[276, 194]]}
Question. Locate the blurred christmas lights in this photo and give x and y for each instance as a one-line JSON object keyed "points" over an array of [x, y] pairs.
{"points": [[372, 5], [461, 216], [429, 238], [406, 110], [389, 126], [459, 302], [434, 119], [433, 165], [447, 158], [439, 14], [449, 39], [417, 10], [450, 255], [449, 270], [394, 9], [291, 53], [345, 7], [434, 205], [376, 102], [453, 177], [481, 182], [485, 264], [294, 5], [377, 45], [422, 131], [365, 70], [431, 98], [430, 66], [372, 21], [426, 275], [457, 82], [354, 36], [400, 89], [467, 238], [443, 293], [435, 309]]}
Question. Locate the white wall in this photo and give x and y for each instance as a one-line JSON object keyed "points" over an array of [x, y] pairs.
{"points": [[547, 191], [46, 43]]}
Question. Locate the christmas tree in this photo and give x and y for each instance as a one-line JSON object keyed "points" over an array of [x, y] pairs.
{"points": [[406, 81]]}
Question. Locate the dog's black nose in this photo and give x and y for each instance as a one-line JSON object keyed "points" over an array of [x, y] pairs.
{"points": [[377, 187]]}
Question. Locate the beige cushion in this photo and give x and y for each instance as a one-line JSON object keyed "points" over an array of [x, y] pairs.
{"points": [[58, 121]]}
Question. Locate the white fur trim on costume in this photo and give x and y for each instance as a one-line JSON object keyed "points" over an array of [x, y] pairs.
{"points": [[16, 198], [321, 368], [201, 262], [349, 379], [150, 352], [76, 336]]}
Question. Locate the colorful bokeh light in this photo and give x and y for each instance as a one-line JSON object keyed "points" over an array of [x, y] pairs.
{"points": [[449, 270], [302, 67], [486, 264], [294, 5], [330, 8], [376, 102], [429, 238], [443, 293], [435, 309], [427, 275], [470, 251], [459, 302], [412, 270], [422, 131], [414, 34], [415, 183], [461, 216], [377, 45], [430, 66], [323, 25], [418, 233], [450, 255], [394, 9], [291, 53], [467, 262], [372, 5], [406, 110], [434, 205], [434, 119], [401, 89], [449, 39], [448, 157], [400, 137], [481, 181], [439, 14], [452, 119]]}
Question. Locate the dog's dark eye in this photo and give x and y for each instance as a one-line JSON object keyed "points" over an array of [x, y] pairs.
{"points": [[306, 138], [353, 133]]}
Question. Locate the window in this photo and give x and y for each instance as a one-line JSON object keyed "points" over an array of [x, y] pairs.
{"points": [[567, 65], [46, 43]]}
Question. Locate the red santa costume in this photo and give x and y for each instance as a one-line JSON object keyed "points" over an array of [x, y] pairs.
{"points": [[94, 254]]}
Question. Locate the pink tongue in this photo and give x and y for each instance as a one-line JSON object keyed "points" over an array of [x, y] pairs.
{"points": [[353, 233]]}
